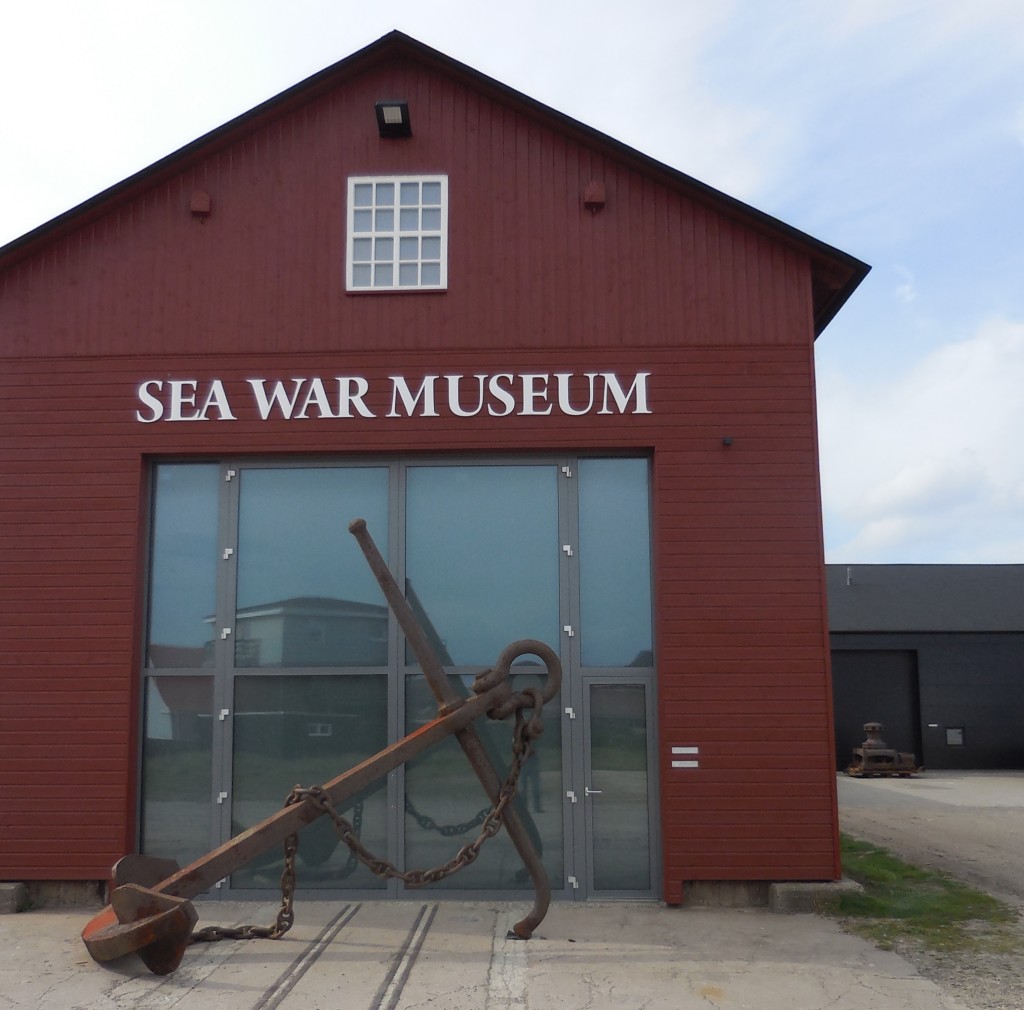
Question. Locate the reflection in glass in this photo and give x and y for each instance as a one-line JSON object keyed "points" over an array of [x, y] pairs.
{"points": [[618, 777], [615, 563], [183, 566], [306, 730], [177, 776], [306, 596], [482, 557], [445, 803]]}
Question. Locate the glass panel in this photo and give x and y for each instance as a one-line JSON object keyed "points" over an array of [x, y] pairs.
{"points": [[363, 196], [361, 276], [410, 194], [615, 563], [410, 220], [177, 777], [431, 220], [361, 249], [408, 274], [383, 275], [445, 803], [431, 273], [432, 193], [183, 566], [385, 194], [362, 220], [308, 730], [432, 248], [409, 248], [618, 773], [306, 596], [384, 220], [384, 249], [482, 557]]}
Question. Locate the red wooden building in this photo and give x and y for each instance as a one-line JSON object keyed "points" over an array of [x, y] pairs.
{"points": [[570, 389]]}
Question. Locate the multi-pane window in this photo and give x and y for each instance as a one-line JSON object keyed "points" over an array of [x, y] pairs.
{"points": [[398, 233]]}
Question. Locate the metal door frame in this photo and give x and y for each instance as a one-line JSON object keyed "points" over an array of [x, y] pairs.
{"points": [[579, 805]]}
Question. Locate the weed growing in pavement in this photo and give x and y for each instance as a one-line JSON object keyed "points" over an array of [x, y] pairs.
{"points": [[902, 903]]}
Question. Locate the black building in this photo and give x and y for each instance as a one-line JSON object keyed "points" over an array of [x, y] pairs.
{"points": [[936, 654]]}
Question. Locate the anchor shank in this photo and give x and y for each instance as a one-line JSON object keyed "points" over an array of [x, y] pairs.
{"points": [[468, 737]]}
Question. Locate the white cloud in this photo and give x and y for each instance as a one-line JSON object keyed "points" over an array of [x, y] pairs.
{"points": [[921, 464]]}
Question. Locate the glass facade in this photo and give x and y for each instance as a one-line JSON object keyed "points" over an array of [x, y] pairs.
{"points": [[272, 660]]}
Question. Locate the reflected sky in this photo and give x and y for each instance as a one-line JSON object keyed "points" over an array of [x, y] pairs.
{"points": [[615, 562], [483, 555], [482, 552], [293, 538], [183, 577]]}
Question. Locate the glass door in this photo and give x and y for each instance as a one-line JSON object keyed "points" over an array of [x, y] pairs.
{"points": [[616, 801]]}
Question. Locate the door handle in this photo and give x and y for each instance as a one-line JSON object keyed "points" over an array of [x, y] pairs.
{"points": [[591, 792]]}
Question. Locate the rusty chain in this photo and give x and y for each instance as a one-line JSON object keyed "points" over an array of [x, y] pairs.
{"points": [[525, 732], [444, 830]]}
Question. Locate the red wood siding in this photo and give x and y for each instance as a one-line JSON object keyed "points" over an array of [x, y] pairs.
{"points": [[528, 264], [657, 281], [740, 636]]}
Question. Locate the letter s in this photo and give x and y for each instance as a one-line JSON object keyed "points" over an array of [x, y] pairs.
{"points": [[150, 401]]}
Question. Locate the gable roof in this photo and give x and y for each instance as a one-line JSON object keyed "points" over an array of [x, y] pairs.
{"points": [[905, 598], [835, 274]]}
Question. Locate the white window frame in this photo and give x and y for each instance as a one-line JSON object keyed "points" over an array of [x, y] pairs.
{"points": [[372, 232]]}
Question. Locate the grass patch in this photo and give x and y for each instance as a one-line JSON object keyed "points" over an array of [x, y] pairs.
{"points": [[902, 902]]}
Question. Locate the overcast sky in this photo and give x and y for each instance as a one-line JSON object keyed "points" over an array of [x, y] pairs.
{"points": [[893, 129]]}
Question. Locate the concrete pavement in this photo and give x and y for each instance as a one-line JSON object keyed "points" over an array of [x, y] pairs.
{"points": [[404, 955], [412, 954]]}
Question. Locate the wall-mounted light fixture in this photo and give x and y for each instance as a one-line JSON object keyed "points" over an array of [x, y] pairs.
{"points": [[393, 119]]}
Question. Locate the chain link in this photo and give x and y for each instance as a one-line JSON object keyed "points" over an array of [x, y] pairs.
{"points": [[525, 732], [444, 830]]}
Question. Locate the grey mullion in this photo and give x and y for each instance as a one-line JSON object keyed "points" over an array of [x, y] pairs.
{"points": [[396, 673], [224, 650]]}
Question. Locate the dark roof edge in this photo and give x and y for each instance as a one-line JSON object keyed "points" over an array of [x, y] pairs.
{"points": [[845, 271]]}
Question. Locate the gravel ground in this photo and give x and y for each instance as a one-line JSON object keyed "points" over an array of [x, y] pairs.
{"points": [[971, 826]]}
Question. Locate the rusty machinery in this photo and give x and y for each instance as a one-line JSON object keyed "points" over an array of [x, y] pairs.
{"points": [[150, 912], [875, 757]]}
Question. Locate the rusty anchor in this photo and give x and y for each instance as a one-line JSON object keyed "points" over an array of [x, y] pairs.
{"points": [[150, 911]]}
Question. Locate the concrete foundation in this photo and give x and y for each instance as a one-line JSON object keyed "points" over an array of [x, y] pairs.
{"points": [[13, 898], [784, 896], [726, 893], [64, 893], [794, 897]]}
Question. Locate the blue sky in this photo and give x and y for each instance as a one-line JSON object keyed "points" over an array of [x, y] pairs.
{"points": [[893, 129]]}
